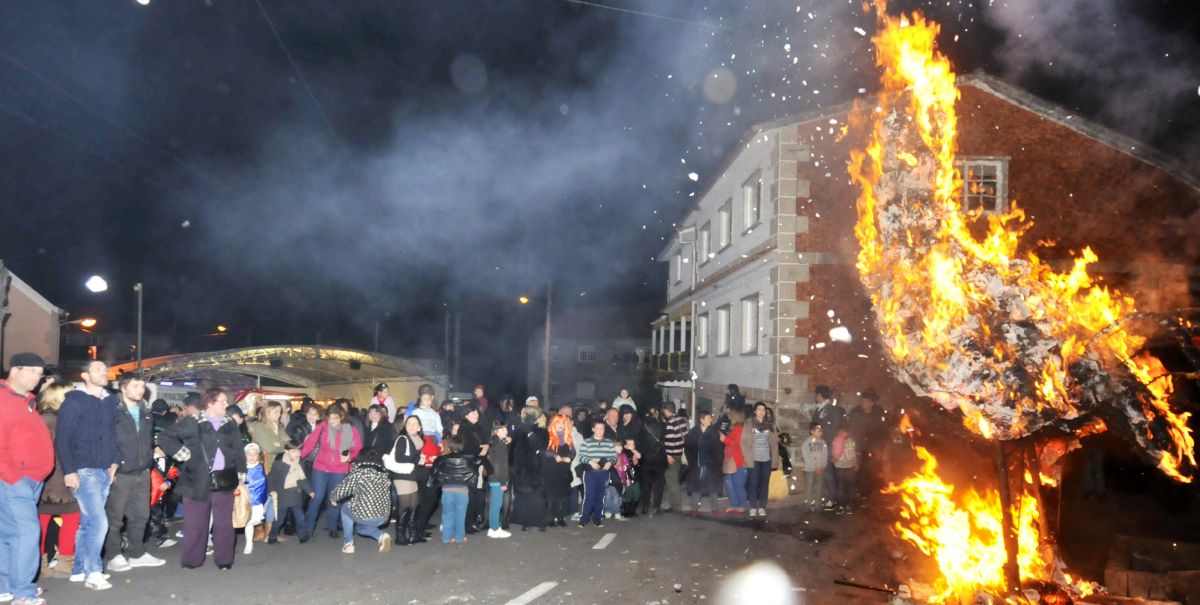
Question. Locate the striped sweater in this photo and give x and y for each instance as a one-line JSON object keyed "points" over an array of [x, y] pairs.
{"points": [[600, 450], [677, 428]]}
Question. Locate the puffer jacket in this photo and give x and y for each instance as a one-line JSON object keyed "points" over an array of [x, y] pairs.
{"points": [[368, 488], [455, 469]]}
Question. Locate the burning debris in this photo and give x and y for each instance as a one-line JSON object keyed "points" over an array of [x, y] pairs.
{"points": [[976, 324]]}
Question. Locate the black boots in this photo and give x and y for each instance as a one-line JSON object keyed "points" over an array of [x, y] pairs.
{"points": [[415, 533], [404, 522]]}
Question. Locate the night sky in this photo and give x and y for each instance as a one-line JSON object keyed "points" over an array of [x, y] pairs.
{"points": [[303, 167]]}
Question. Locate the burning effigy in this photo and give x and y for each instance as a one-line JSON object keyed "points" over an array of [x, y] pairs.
{"points": [[979, 324]]}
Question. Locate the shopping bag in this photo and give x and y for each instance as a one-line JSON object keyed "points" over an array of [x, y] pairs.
{"points": [[779, 486], [241, 507]]}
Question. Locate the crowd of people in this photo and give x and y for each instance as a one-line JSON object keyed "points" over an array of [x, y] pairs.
{"points": [[104, 472]]}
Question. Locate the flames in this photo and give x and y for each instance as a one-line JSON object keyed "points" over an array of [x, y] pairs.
{"points": [[968, 317], [982, 325]]}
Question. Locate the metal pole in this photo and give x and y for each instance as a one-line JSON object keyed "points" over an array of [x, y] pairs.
{"points": [[4, 281], [546, 348], [457, 346], [377, 336], [446, 346], [138, 288]]}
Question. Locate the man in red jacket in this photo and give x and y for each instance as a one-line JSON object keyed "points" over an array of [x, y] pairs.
{"points": [[26, 459]]}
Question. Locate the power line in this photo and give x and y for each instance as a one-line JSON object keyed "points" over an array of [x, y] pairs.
{"points": [[296, 68], [84, 147], [645, 14], [114, 123]]}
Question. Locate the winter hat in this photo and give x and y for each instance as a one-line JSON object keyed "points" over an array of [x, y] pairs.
{"points": [[26, 360]]}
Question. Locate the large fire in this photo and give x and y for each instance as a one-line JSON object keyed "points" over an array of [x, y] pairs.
{"points": [[984, 327]]}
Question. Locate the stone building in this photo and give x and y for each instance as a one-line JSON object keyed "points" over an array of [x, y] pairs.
{"points": [[762, 289]]}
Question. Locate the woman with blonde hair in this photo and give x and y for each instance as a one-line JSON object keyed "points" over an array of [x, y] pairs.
{"points": [[57, 500], [269, 432]]}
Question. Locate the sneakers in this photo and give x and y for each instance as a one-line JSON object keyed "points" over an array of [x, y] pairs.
{"points": [[119, 564], [146, 560], [762, 512], [348, 549], [80, 577], [33, 601], [168, 543], [96, 581], [385, 542], [498, 533], [6, 597], [753, 512]]}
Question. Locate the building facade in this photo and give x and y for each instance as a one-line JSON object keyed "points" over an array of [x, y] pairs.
{"points": [[762, 288], [594, 353]]}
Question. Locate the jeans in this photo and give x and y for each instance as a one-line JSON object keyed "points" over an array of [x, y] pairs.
{"points": [[364, 527], [735, 487], [813, 482], [495, 500], [846, 479], [705, 486], [594, 485], [323, 484], [297, 517], [129, 501], [91, 494], [652, 489], [759, 483], [454, 516], [20, 537]]}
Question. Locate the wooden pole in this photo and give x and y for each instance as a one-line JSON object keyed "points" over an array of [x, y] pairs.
{"points": [[1012, 572]]}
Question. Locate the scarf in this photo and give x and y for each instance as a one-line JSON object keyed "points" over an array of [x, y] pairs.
{"points": [[343, 429], [295, 472], [767, 424]]}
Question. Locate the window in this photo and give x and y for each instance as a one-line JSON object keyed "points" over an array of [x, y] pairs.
{"points": [[751, 200], [585, 390], [750, 325], [678, 267], [587, 353], [723, 330], [702, 335], [985, 184], [704, 243], [725, 225]]}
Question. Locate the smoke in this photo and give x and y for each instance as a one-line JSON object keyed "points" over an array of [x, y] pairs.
{"points": [[1136, 71]]}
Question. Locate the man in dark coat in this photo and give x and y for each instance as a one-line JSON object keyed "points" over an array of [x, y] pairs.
{"points": [[129, 495]]}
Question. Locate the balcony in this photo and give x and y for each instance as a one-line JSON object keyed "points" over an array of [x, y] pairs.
{"points": [[673, 366]]}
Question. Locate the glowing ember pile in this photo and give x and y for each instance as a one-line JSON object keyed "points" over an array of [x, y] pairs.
{"points": [[983, 328]]}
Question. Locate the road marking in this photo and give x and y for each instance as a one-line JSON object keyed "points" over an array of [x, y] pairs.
{"points": [[604, 542], [533, 593]]}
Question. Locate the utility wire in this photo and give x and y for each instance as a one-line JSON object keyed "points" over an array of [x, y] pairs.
{"points": [[114, 123], [645, 14], [84, 147], [295, 68]]}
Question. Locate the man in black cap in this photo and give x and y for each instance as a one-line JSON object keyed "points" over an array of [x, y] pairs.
{"points": [[26, 458]]}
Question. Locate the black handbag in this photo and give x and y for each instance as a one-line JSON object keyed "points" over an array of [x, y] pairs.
{"points": [[224, 480]]}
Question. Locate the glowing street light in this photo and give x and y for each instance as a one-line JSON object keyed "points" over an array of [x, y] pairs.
{"points": [[88, 323], [523, 300], [96, 284], [222, 329]]}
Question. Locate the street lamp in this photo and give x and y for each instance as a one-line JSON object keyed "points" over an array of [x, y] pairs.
{"points": [[97, 284], [546, 345]]}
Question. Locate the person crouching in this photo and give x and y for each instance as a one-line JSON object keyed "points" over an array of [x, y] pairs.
{"points": [[368, 487]]}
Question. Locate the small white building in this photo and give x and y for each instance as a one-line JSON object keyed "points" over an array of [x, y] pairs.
{"points": [[32, 324], [732, 277]]}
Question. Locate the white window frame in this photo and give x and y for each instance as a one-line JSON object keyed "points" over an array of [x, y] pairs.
{"points": [[702, 335], [678, 264], [749, 345], [725, 225], [585, 354], [751, 202], [723, 329], [704, 242], [999, 204]]}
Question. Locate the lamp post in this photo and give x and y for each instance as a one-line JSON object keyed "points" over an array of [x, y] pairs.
{"points": [[97, 284], [546, 344]]}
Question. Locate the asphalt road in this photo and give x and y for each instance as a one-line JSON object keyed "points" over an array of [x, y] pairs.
{"points": [[663, 560]]}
